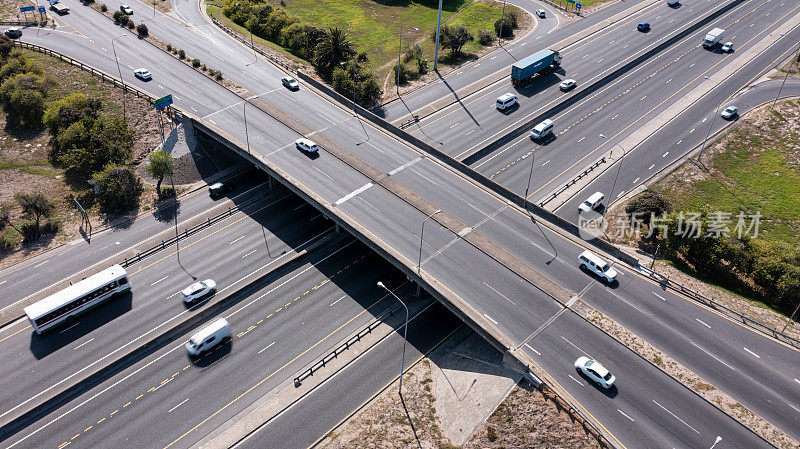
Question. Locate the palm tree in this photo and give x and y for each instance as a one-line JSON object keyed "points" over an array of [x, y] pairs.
{"points": [[333, 48]]}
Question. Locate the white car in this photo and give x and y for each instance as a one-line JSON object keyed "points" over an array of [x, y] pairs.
{"points": [[126, 9], [540, 13], [198, 290], [306, 145], [592, 262], [143, 74], [727, 48], [505, 101], [290, 83], [595, 371], [729, 112], [567, 84]]}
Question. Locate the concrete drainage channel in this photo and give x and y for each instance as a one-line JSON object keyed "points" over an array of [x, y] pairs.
{"points": [[124, 359]]}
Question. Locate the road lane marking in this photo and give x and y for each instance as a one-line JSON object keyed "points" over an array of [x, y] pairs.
{"points": [[531, 348], [711, 355], [495, 290], [343, 296], [623, 414], [251, 252], [39, 265], [579, 349], [469, 132], [643, 98], [701, 322], [68, 328], [674, 416], [454, 125], [576, 380], [581, 138], [651, 167], [668, 81], [665, 154], [792, 406], [231, 243], [636, 180], [753, 353], [692, 130], [156, 282], [353, 193], [548, 161], [82, 344], [173, 408], [268, 346], [491, 319], [406, 165]]}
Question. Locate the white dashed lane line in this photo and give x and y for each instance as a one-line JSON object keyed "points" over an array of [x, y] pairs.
{"points": [[752, 353]]}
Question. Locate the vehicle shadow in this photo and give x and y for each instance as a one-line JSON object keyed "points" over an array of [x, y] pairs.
{"points": [[51, 341], [213, 356], [610, 393]]}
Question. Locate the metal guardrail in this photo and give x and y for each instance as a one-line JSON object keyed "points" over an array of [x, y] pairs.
{"points": [[663, 280], [562, 403], [239, 38], [186, 233], [96, 72], [343, 347], [572, 181], [26, 23]]}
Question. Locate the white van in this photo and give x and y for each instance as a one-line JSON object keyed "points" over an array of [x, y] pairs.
{"points": [[505, 101], [542, 129], [592, 262], [208, 337], [593, 202]]}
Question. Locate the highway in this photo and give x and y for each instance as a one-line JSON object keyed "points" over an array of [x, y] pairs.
{"points": [[167, 397], [393, 221], [46, 363], [38, 272]]}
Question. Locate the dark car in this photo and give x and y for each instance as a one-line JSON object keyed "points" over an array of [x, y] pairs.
{"points": [[220, 188], [644, 26]]}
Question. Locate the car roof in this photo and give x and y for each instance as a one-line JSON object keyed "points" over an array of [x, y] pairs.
{"points": [[506, 96], [599, 368], [209, 330], [593, 257], [596, 196], [545, 122]]}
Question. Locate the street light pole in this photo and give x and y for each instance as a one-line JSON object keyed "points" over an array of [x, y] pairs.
{"points": [[719, 438], [419, 265], [405, 335], [124, 88], [784, 82], [530, 176], [438, 28], [614, 184], [244, 113], [710, 125]]}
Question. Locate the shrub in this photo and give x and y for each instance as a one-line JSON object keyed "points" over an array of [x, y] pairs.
{"points": [[169, 47], [142, 30], [491, 434], [647, 203], [503, 28], [403, 75], [131, 25], [181, 54], [218, 76], [454, 38], [485, 37], [22, 98], [196, 63], [5, 46], [204, 68], [104, 8], [89, 144], [35, 206], [121, 18], [301, 39], [118, 188]]}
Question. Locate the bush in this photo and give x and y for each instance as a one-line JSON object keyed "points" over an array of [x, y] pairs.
{"points": [[5, 46], [503, 28], [485, 37], [23, 99], [491, 434], [196, 63], [181, 54], [142, 30], [403, 76], [35, 206], [301, 39], [121, 18], [454, 38], [169, 47], [218, 76], [118, 188], [104, 8], [131, 25], [647, 203]]}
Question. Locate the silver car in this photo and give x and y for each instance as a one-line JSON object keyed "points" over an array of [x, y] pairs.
{"points": [[729, 112], [198, 290]]}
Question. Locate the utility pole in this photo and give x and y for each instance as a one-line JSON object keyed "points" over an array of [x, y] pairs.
{"points": [[124, 88], [438, 29]]}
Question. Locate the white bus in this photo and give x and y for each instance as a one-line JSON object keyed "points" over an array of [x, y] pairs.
{"points": [[77, 298]]}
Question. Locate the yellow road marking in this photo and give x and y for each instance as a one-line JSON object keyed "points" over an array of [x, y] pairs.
{"points": [[87, 429]]}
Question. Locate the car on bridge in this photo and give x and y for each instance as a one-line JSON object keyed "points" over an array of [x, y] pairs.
{"points": [[592, 262], [143, 74], [727, 48], [595, 371], [540, 13], [505, 101], [567, 84], [306, 145], [198, 290], [729, 112], [290, 83], [126, 9], [643, 27]]}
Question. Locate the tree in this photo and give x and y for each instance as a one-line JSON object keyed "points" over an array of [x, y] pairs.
{"points": [[70, 109], [5, 218], [22, 97], [503, 28], [34, 206], [160, 165], [118, 188], [648, 203], [334, 47], [142, 30], [5, 46], [413, 53], [301, 39], [454, 38]]}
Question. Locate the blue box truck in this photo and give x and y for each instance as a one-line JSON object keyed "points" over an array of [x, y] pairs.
{"points": [[523, 71]]}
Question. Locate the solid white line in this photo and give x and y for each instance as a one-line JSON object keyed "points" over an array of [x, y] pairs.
{"points": [[251, 252], [579, 349], [576, 380], [39, 265], [636, 180], [156, 282], [792, 406], [643, 98], [353, 193], [1, 283], [710, 354], [495, 290], [268, 346], [674, 416], [173, 408], [231, 243], [704, 324], [665, 154], [658, 296], [405, 166], [531, 348], [651, 167], [343, 296], [753, 353], [490, 318], [623, 414], [82, 344], [581, 138]]}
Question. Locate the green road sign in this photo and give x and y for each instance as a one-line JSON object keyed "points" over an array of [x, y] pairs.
{"points": [[163, 101]]}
